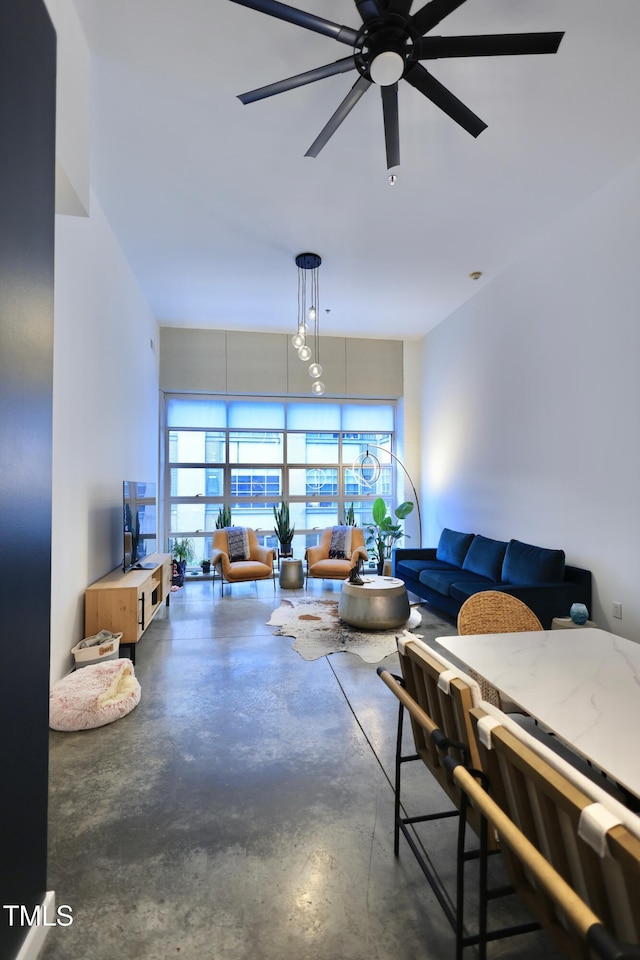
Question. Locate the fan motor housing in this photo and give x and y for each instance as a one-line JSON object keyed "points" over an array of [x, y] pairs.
{"points": [[379, 45]]}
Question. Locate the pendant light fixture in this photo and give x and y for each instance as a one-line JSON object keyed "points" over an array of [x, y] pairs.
{"points": [[307, 330]]}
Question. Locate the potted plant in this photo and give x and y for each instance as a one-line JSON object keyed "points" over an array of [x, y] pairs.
{"points": [[283, 529], [349, 516], [383, 532], [224, 518], [183, 552]]}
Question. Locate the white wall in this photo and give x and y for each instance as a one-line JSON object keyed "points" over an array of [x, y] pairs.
{"points": [[409, 444], [105, 413], [72, 110], [530, 402]]}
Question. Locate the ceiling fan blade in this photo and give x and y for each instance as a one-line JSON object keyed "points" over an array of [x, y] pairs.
{"points": [[432, 13], [490, 45], [310, 76], [398, 6], [360, 86], [301, 19], [391, 124], [368, 10], [422, 80]]}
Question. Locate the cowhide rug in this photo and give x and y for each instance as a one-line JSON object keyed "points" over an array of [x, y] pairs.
{"points": [[318, 631]]}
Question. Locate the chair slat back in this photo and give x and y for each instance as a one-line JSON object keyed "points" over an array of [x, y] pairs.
{"points": [[595, 853], [574, 925], [438, 697], [446, 701]]}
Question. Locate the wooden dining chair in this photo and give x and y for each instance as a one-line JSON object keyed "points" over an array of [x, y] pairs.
{"points": [[585, 836], [563, 911], [491, 611], [438, 698]]}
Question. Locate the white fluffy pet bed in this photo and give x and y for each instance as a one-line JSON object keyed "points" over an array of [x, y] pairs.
{"points": [[96, 695]]}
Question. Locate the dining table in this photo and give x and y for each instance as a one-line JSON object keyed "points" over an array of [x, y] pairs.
{"points": [[583, 685]]}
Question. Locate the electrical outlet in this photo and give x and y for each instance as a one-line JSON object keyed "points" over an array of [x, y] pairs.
{"points": [[617, 610]]}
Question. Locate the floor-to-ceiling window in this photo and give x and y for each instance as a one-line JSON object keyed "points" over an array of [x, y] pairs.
{"points": [[248, 454]]}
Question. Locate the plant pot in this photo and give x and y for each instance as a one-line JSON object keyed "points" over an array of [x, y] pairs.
{"points": [[286, 550], [206, 566]]}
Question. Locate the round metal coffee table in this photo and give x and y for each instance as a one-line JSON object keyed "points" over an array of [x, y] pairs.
{"points": [[379, 604]]}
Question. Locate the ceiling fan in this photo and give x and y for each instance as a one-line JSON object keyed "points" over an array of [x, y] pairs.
{"points": [[389, 47]]}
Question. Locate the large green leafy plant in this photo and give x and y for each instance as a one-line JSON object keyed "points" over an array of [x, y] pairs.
{"points": [[183, 550], [383, 533]]}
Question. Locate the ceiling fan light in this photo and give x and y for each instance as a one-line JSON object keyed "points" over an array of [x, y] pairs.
{"points": [[386, 68]]}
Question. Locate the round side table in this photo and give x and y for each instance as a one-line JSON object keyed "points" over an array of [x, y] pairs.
{"points": [[290, 573], [566, 623]]}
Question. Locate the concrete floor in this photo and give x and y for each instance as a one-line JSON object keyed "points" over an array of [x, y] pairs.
{"points": [[243, 811]]}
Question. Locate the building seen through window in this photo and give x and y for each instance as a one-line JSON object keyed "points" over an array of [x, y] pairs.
{"points": [[249, 455]]}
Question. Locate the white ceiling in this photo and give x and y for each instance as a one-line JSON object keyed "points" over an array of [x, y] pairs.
{"points": [[211, 200]]}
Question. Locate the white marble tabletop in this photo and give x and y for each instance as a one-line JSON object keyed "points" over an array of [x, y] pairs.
{"points": [[582, 684]]}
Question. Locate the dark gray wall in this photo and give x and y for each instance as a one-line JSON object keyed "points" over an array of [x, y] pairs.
{"points": [[27, 174]]}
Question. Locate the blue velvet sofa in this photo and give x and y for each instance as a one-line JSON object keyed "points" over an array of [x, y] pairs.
{"points": [[464, 563]]}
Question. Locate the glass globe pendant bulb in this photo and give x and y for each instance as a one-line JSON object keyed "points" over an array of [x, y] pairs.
{"points": [[317, 388], [315, 371], [297, 340], [303, 329], [304, 352], [311, 313]]}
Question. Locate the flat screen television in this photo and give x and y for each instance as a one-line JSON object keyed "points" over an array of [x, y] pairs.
{"points": [[140, 527]]}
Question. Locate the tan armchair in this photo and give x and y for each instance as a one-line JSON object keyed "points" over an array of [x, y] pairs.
{"points": [[321, 566], [258, 565]]}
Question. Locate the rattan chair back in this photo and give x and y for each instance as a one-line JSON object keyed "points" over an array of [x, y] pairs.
{"points": [[492, 611]]}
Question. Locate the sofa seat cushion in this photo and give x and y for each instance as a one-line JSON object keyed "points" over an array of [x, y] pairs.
{"points": [[452, 546], [462, 589], [485, 556], [442, 580], [413, 568], [526, 563]]}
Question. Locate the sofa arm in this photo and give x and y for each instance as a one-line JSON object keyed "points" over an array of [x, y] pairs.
{"points": [[548, 600]]}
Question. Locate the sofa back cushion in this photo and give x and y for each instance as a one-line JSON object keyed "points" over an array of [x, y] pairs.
{"points": [[485, 557], [452, 546], [525, 563]]}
